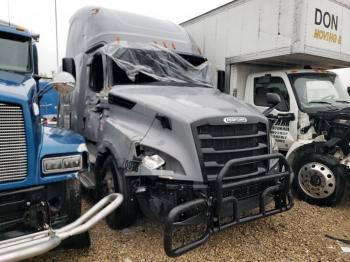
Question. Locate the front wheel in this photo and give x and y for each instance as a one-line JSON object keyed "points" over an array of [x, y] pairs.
{"points": [[112, 180], [318, 179]]}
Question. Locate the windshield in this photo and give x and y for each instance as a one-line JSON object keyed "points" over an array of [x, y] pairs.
{"points": [[318, 89], [144, 63], [15, 53]]}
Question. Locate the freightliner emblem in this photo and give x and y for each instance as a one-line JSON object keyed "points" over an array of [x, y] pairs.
{"points": [[235, 119]]}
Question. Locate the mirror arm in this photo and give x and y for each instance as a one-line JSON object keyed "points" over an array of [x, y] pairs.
{"points": [[41, 92], [269, 110], [36, 77]]}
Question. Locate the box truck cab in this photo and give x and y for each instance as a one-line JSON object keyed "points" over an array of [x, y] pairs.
{"points": [[180, 151], [286, 47], [310, 126], [303, 93], [40, 201]]}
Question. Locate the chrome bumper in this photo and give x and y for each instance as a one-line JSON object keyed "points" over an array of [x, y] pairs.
{"points": [[35, 244]]}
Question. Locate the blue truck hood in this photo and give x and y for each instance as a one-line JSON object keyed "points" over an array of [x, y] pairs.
{"points": [[16, 86], [60, 141]]}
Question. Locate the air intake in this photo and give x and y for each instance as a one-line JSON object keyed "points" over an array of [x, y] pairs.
{"points": [[13, 145]]}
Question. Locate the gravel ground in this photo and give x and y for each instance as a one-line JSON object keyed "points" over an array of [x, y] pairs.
{"points": [[297, 235]]}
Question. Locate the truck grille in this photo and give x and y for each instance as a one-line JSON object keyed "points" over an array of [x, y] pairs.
{"points": [[221, 143], [13, 145]]}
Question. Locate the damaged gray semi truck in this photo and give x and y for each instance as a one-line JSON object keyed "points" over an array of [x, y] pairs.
{"points": [[180, 151]]}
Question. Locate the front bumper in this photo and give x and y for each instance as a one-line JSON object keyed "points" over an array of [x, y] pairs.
{"points": [[35, 244], [212, 208]]}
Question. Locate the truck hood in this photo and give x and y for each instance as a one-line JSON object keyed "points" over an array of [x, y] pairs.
{"points": [[16, 86], [189, 103], [57, 141], [334, 107]]}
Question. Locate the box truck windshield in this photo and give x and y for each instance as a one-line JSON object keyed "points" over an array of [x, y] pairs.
{"points": [[15, 53], [135, 63], [315, 90]]}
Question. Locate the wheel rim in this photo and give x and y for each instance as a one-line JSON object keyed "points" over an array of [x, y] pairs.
{"points": [[316, 180], [108, 185]]}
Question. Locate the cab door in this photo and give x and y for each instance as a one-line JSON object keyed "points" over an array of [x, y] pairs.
{"points": [[93, 111], [285, 116]]}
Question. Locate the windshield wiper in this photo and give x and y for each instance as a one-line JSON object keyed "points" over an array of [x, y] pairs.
{"points": [[342, 101], [320, 102]]}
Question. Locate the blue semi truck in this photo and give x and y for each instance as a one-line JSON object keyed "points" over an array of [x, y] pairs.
{"points": [[40, 200]]}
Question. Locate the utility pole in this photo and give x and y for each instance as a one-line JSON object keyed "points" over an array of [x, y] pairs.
{"points": [[8, 11], [56, 37]]}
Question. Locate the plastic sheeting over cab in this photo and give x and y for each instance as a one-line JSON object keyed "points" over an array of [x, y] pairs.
{"points": [[158, 64]]}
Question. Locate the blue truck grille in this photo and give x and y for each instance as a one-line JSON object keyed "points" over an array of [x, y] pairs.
{"points": [[13, 145]]}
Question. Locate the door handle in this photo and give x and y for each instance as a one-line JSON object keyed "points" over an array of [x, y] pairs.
{"points": [[286, 117]]}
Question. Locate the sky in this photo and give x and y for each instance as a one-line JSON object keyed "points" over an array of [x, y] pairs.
{"points": [[39, 17]]}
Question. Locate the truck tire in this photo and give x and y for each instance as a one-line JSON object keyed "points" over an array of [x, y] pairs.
{"points": [[73, 202], [318, 179], [113, 180]]}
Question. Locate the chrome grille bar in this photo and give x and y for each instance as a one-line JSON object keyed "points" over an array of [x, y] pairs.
{"points": [[13, 145]]}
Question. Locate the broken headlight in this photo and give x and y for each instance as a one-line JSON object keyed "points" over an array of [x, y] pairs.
{"points": [[159, 163], [153, 162], [62, 164]]}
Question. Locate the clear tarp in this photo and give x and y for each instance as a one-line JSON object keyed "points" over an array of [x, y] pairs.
{"points": [[160, 63]]}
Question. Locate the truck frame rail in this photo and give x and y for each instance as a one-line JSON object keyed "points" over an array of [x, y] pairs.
{"points": [[210, 209], [35, 244]]}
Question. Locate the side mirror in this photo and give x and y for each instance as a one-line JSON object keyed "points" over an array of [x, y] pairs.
{"points": [[63, 83], [221, 80], [68, 66], [348, 89], [273, 100]]}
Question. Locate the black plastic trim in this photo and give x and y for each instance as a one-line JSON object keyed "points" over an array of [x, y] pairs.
{"points": [[119, 101]]}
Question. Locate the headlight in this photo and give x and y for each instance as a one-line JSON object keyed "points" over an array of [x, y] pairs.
{"points": [[273, 145], [62, 164], [273, 149], [153, 162]]}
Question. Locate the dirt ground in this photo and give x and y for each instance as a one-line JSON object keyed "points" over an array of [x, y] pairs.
{"points": [[297, 235]]}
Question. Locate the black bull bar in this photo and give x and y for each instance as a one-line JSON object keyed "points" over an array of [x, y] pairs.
{"points": [[211, 207]]}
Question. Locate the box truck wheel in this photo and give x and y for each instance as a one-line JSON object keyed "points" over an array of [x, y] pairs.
{"points": [[113, 180], [318, 179]]}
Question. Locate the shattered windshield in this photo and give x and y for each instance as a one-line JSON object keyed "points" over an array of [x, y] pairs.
{"points": [[319, 89], [142, 63]]}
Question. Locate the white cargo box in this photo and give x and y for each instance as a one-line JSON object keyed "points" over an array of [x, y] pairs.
{"points": [[275, 32]]}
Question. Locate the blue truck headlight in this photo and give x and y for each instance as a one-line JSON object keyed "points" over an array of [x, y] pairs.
{"points": [[61, 164]]}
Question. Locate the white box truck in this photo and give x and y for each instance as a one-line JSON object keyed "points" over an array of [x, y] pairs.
{"points": [[286, 47]]}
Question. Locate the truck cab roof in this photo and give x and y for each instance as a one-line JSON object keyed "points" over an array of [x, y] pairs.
{"points": [[14, 29], [91, 27]]}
